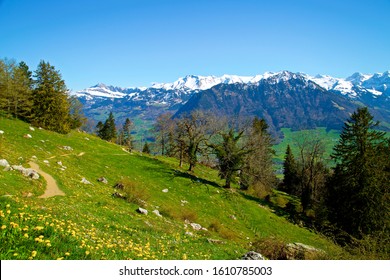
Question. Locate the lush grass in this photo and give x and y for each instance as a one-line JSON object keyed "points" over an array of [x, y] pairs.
{"points": [[88, 223]]}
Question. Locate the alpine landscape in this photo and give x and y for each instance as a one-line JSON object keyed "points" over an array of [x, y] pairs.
{"points": [[270, 165]]}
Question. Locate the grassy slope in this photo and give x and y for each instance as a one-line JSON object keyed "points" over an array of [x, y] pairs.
{"points": [[88, 223]]}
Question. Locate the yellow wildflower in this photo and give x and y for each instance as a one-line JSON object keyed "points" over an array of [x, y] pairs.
{"points": [[59, 259], [15, 254], [8, 206], [26, 235], [8, 211], [67, 254], [33, 253], [3, 227], [38, 228], [87, 253]]}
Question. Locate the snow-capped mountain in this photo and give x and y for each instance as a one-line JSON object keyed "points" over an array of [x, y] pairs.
{"points": [[146, 103]]}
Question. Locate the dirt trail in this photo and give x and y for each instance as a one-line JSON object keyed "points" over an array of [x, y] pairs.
{"points": [[52, 188]]}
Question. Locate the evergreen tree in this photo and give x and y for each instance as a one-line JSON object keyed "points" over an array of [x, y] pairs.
{"points": [[127, 137], [50, 99], [359, 188], [230, 156], [107, 131], [146, 148], [99, 129], [290, 179]]}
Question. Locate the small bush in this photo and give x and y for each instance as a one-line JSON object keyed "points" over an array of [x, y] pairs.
{"points": [[134, 193], [224, 232], [271, 247]]}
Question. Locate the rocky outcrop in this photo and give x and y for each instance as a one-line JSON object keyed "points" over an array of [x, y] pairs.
{"points": [[252, 255]]}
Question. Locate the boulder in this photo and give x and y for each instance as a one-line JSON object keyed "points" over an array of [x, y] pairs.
{"points": [[118, 195], [299, 251], [28, 172], [252, 255], [4, 163], [142, 211], [85, 181], [157, 213], [102, 180], [196, 226]]}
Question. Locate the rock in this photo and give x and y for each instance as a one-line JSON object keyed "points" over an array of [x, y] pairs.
{"points": [[27, 136], [157, 213], [1, 132], [233, 217], [85, 181], [28, 172], [102, 180], [59, 163], [86, 138], [215, 241], [4, 163], [196, 226], [67, 148], [183, 201], [119, 186], [118, 195], [142, 211], [46, 161], [165, 190], [252, 255], [34, 157], [31, 128], [299, 251]]}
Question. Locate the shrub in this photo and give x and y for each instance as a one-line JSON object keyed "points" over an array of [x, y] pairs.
{"points": [[134, 193]]}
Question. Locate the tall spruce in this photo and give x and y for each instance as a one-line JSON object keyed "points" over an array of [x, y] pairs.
{"points": [[127, 137], [107, 131], [50, 99], [290, 179], [360, 186]]}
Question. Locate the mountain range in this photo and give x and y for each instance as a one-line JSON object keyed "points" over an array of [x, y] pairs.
{"points": [[284, 99]]}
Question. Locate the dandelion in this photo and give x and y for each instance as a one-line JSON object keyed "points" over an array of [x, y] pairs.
{"points": [[33, 253], [25, 235], [3, 227], [67, 254], [60, 259], [87, 253], [38, 228], [8, 211], [8, 206], [15, 254]]}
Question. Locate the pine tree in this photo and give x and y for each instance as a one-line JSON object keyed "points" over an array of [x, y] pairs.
{"points": [[359, 188], [146, 148], [107, 131], [290, 179], [50, 99], [127, 137], [77, 118]]}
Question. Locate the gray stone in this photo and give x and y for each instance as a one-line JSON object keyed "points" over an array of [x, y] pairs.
{"points": [[300, 251], [196, 226], [102, 180], [28, 172], [157, 213], [27, 136], [142, 211], [165, 190], [85, 181], [4, 163], [252, 255], [67, 148]]}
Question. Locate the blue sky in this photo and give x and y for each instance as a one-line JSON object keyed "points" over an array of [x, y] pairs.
{"points": [[137, 42]]}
